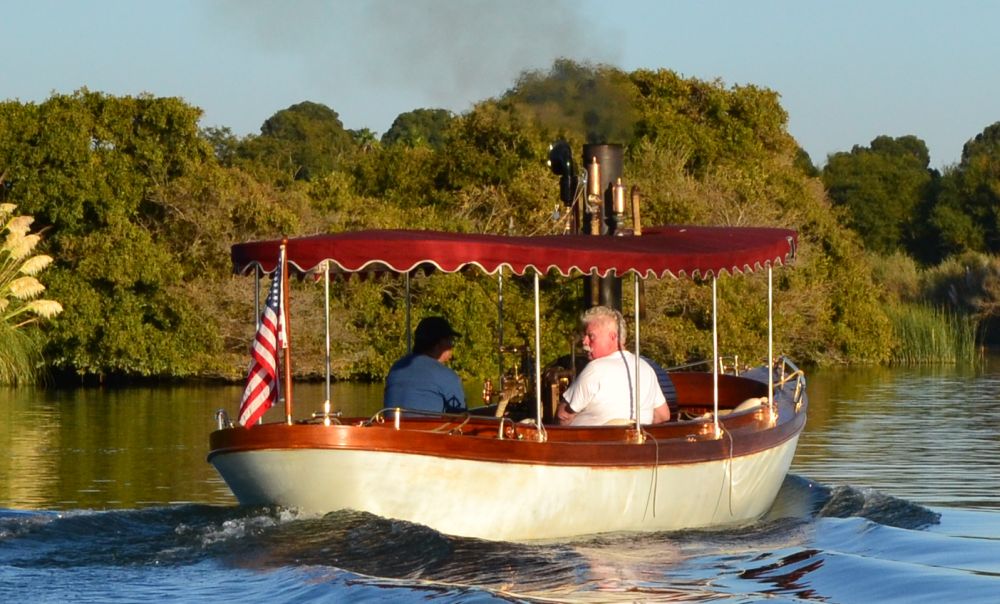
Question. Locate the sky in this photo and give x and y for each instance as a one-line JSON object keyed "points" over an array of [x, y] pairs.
{"points": [[847, 71]]}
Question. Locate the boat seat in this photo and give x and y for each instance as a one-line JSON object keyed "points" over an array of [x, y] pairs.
{"points": [[750, 403]]}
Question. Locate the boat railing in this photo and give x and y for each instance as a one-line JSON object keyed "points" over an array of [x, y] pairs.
{"points": [[454, 423], [222, 419], [395, 415], [727, 365], [787, 373], [325, 417]]}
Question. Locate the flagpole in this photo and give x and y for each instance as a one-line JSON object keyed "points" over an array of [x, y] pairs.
{"points": [[287, 343]]}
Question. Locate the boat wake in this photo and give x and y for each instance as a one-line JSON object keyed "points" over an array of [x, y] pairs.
{"points": [[800, 497], [817, 543]]}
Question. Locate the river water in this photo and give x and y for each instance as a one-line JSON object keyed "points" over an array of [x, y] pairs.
{"points": [[105, 496]]}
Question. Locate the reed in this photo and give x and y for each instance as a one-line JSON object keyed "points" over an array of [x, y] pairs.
{"points": [[19, 356], [19, 291], [925, 334]]}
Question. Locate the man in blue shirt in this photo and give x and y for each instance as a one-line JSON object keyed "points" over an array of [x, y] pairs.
{"points": [[421, 380]]}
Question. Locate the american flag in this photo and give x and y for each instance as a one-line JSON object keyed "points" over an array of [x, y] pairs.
{"points": [[262, 381]]}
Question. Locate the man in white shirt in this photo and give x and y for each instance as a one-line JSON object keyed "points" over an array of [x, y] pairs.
{"points": [[605, 390]]}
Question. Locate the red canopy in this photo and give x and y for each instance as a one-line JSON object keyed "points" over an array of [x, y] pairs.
{"points": [[660, 251]]}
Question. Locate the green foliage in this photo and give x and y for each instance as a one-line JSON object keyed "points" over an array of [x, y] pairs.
{"points": [[365, 139], [700, 153], [939, 313], [196, 217], [489, 146], [419, 127], [87, 166], [931, 335], [20, 360], [711, 155], [899, 277], [225, 144], [142, 207], [708, 123], [19, 302], [881, 188], [126, 317], [966, 214], [77, 161], [805, 164], [303, 142], [968, 284], [398, 174]]}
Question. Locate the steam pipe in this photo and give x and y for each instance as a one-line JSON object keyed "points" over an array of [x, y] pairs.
{"points": [[636, 222], [618, 206], [609, 159]]}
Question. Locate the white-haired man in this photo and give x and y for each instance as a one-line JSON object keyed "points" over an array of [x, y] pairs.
{"points": [[603, 392]]}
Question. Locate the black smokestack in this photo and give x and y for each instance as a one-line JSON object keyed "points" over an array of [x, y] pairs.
{"points": [[610, 158]]}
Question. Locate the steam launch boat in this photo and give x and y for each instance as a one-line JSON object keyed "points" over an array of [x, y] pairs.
{"points": [[506, 471]]}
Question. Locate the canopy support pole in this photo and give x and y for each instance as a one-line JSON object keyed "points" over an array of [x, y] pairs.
{"points": [[326, 310], [287, 339], [409, 332], [256, 295], [635, 388], [500, 327], [715, 354], [770, 339], [538, 363]]}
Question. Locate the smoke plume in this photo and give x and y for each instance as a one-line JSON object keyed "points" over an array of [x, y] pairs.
{"points": [[448, 53]]}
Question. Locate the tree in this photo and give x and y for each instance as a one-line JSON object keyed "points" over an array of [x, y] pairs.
{"points": [[966, 212], [225, 144], [419, 127], [86, 166], [364, 139], [881, 189], [804, 163], [709, 124], [141, 208], [304, 141]]}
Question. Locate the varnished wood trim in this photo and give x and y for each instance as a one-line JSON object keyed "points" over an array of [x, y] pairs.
{"points": [[476, 439]]}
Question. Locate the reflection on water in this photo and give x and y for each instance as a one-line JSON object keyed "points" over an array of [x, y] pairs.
{"points": [[127, 448], [928, 434]]}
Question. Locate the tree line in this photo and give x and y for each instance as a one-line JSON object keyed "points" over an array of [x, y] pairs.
{"points": [[138, 206]]}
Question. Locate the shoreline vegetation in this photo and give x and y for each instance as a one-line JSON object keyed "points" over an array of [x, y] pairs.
{"points": [[926, 335], [137, 204], [20, 305]]}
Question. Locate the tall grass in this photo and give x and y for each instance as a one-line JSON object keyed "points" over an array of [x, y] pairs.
{"points": [[19, 356], [925, 334], [19, 291]]}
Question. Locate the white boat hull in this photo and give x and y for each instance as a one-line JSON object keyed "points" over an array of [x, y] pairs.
{"points": [[511, 501]]}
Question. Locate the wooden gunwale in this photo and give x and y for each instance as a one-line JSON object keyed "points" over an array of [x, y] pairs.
{"points": [[476, 438]]}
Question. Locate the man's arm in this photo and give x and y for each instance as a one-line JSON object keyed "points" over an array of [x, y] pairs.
{"points": [[564, 413], [661, 414]]}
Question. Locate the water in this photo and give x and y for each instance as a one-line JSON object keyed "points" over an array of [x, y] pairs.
{"points": [[105, 496]]}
